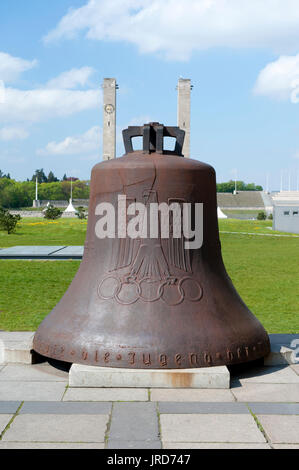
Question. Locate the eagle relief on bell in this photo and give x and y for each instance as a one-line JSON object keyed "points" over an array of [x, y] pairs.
{"points": [[152, 290]]}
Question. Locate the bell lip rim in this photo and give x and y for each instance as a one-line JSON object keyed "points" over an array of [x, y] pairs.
{"points": [[115, 365]]}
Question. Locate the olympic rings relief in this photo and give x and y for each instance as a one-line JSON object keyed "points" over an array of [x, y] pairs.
{"points": [[118, 289]]}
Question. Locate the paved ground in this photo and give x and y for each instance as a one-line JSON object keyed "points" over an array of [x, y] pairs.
{"points": [[42, 252], [39, 410]]}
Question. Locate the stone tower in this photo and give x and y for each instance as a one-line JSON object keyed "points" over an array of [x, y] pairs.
{"points": [[109, 118], [184, 97]]}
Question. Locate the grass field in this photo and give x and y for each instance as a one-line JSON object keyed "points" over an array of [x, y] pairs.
{"points": [[40, 231], [264, 270]]}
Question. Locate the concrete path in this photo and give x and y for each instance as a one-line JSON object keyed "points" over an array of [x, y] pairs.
{"points": [[42, 252], [76, 251], [39, 410]]}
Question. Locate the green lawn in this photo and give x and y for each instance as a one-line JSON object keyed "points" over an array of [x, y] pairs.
{"points": [[40, 231], [30, 289], [250, 226], [264, 269]]}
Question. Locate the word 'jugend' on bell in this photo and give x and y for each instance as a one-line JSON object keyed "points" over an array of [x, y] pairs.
{"points": [[142, 298]]}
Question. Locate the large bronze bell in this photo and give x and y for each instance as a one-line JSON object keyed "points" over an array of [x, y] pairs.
{"points": [[150, 302]]}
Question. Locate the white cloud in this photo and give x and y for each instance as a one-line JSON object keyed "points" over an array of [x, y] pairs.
{"points": [[13, 133], [11, 67], [280, 79], [42, 103], [176, 28], [71, 79], [57, 98], [75, 145]]}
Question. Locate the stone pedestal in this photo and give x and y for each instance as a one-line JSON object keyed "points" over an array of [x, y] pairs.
{"points": [[92, 376]]}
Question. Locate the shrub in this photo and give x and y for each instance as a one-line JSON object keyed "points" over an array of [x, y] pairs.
{"points": [[261, 216], [81, 212], [8, 221], [52, 212], [270, 216]]}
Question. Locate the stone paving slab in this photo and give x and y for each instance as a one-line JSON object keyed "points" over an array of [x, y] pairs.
{"points": [[37, 373], [114, 444], [295, 367], [213, 445], [17, 352], [28, 251], [42, 252], [209, 395], [284, 339], [31, 391], [281, 429], [51, 445], [16, 347], [274, 408], [210, 428], [57, 428], [276, 374], [134, 422], [4, 420], [7, 407], [199, 408], [206, 377], [65, 408], [252, 392], [8, 336], [106, 394], [72, 251]]}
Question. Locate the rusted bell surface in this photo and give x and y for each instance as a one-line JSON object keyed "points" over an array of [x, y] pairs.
{"points": [[150, 302]]}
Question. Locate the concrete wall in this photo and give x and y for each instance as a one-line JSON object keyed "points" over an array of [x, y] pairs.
{"points": [[40, 214], [286, 218]]}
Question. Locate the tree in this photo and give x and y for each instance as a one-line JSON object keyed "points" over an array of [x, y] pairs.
{"points": [[81, 212], [229, 187], [52, 178], [64, 178], [2, 175], [8, 221], [261, 216], [40, 175], [15, 194], [52, 212], [51, 191]]}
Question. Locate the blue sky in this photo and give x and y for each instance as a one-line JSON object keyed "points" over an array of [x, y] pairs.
{"points": [[242, 57]]}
